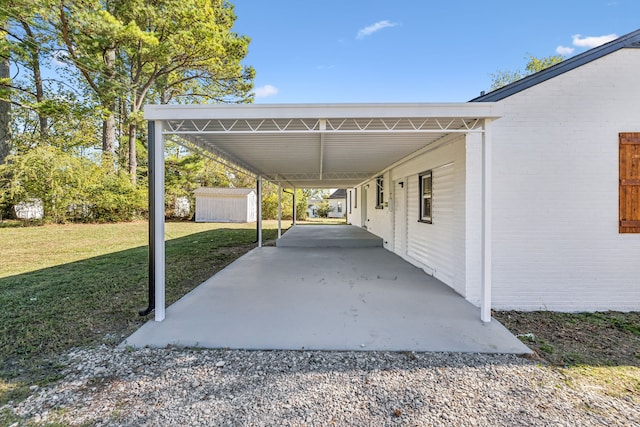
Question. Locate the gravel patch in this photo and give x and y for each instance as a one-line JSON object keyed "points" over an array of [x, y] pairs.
{"points": [[108, 386]]}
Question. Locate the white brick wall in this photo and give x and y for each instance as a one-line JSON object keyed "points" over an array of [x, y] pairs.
{"points": [[556, 244], [555, 208]]}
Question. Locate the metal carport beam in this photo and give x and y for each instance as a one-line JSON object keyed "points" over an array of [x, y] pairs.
{"points": [[307, 111], [487, 224]]}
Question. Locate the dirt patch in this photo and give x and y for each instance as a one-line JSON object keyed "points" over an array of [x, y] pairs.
{"points": [[568, 339]]}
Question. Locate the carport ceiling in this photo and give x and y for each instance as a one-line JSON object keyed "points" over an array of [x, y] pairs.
{"points": [[317, 145]]}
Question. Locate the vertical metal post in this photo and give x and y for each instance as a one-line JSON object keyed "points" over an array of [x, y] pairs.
{"points": [[487, 225], [151, 224], [159, 255], [293, 215], [279, 211], [259, 215], [156, 222]]}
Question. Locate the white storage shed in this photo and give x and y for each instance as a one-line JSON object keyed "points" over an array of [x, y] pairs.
{"points": [[225, 204]]}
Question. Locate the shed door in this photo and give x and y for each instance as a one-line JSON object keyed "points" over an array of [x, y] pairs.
{"points": [[629, 189]]}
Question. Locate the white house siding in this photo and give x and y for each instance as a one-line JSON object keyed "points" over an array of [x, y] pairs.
{"points": [[438, 248], [555, 209], [379, 221], [432, 245], [400, 218], [338, 208], [354, 215]]}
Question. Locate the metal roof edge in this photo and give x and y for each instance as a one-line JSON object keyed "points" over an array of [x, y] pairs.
{"points": [[631, 40], [326, 111]]}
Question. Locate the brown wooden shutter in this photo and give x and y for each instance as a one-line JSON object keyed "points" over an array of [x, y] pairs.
{"points": [[629, 190]]}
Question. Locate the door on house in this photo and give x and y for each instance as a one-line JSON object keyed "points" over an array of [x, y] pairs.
{"points": [[363, 206], [400, 218]]}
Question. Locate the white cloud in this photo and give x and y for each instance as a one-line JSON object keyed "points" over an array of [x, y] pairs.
{"points": [[265, 91], [59, 58], [367, 31], [564, 50], [590, 42]]}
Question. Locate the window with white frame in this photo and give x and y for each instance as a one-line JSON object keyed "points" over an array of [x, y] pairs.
{"points": [[339, 207], [380, 192], [426, 196]]}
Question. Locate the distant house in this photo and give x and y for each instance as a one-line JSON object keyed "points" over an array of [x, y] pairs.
{"points": [[312, 207], [225, 204], [30, 209], [338, 203]]}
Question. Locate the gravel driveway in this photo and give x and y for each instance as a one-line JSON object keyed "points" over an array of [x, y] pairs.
{"points": [[167, 387]]}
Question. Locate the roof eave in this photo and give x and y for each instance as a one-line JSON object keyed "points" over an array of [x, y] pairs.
{"points": [[631, 40]]}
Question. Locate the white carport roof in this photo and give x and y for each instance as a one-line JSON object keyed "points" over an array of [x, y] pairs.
{"points": [[310, 146], [317, 145]]}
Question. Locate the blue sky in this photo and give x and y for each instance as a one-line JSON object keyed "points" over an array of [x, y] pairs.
{"points": [[412, 50]]}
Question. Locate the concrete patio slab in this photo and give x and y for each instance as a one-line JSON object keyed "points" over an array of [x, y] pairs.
{"points": [[328, 236], [325, 299]]}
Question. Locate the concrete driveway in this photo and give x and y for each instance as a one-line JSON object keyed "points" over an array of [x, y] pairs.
{"points": [[326, 298]]}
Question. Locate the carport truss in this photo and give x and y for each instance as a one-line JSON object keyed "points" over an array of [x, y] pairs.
{"points": [[310, 146]]}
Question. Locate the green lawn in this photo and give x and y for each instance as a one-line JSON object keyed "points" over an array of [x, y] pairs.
{"points": [[63, 286]]}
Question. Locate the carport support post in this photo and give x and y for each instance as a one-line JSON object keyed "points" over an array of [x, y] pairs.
{"points": [[156, 216], [279, 211], [293, 214], [259, 210], [487, 161]]}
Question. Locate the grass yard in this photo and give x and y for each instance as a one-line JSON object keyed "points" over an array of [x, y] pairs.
{"points": [[598, 350], [63, 286]]}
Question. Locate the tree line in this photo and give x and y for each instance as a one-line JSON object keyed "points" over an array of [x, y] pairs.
{"points": [[534, 64], [74, 76]]}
